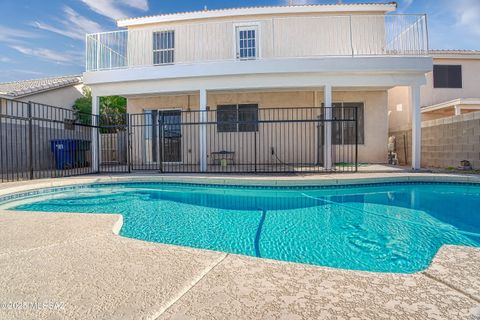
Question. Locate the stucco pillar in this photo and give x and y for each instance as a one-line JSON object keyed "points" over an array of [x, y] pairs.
{"points": [[458, 110], [327, 146], [416, 126], [203, 131], [95, 133]]}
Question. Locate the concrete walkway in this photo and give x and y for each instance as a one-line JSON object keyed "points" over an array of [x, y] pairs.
{"points": [[73, 266]]}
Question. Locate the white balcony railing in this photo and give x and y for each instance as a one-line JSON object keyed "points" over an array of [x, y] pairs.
{"points": [[283, 37]]}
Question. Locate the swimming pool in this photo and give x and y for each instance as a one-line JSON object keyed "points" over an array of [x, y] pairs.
{"points": [[395, 227]]}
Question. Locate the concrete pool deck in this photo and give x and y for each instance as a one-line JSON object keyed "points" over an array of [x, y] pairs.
{"points": [[80, 269]]}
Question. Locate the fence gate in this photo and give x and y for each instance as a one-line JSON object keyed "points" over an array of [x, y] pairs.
{"points": [[113, 137]]}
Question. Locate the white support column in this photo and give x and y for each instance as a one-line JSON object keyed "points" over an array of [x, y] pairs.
{"points": [[458, 110], [317, 105], [416, 126], [327, 147], [95, 133], [203, 130]]}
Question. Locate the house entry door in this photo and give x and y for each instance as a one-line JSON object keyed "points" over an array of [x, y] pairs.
{"points": [[170, 136]]}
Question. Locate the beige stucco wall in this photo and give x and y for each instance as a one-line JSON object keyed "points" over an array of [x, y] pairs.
{"points": [[399, 110], [296, 35], [62, 97], [372, 151], [400, 118], [470, 83]]}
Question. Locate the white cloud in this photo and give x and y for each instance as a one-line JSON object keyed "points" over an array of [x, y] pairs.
{"points": [[467, 14], [403, 5], [27, 71], [454, 24], [74, 25], [59, 57], [12, 35], [115, 9], [5, 59], [298, 2], [137, 4]]}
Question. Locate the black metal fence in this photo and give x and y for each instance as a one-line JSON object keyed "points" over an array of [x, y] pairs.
{"points": [[247, 140], [40, 141]]}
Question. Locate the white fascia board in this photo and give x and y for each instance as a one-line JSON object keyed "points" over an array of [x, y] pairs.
{"points": [[266, 82], [452, 103], [238, 12], [339, 65]]}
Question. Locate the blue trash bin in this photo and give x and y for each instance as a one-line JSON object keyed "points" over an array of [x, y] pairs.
{"points": [[63, 152], [69, 153]]}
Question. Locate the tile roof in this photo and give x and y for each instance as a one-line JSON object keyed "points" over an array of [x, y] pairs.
{"points": [[313, 5], [28, 87], [453, 51]]}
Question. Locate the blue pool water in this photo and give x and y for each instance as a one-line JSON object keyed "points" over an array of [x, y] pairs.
{"points": [[388, 228]]}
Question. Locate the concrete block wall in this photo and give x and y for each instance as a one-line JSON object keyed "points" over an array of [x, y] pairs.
{"points": [[445, 142]]}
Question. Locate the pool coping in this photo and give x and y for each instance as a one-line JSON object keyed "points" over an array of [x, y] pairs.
{"points": [[68, 184], [245, 180]]}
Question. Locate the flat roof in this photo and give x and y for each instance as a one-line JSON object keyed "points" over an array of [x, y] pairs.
{"points": [[261, 10]]}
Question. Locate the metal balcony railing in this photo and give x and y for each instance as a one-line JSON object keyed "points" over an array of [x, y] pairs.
{"points": [[276, 38]]}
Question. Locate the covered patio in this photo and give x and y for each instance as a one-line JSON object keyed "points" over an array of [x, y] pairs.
{"points": [[323, 141]]}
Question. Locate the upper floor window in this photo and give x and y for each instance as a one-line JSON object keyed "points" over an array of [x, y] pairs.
{"points": [[447, 76], [247, 42], [237, 118], [163, 47]]}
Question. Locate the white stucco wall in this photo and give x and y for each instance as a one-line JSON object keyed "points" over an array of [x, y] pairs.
{"points": [[305, 35]]}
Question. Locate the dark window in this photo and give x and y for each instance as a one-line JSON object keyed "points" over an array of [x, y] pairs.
{"points": [[447, 76], [344, 131], [164, 47], [227, 118], [248, 113], [237, 118]]}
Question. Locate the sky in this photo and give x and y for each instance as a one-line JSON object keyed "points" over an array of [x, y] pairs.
{"points": [[42, 38]]}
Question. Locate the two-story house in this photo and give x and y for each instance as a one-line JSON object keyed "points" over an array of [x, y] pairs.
{"points": [[452, 88], [261, 85]]}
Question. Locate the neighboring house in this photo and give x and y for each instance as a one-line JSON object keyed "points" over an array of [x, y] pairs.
{"points": [[243, 61], [29, 128], [452, 88], [56, 91], [450, 109]]}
